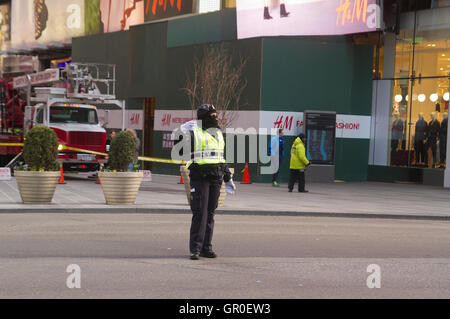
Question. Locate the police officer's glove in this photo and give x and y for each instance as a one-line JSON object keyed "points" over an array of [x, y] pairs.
{"points": [[230, 188]]}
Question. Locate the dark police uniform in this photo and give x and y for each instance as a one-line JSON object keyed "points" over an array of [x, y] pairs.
{"points": [[207, 171]]}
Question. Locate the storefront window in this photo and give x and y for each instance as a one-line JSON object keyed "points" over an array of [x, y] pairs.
{"points": [[419, 127], [403, 54], [420, 94]]}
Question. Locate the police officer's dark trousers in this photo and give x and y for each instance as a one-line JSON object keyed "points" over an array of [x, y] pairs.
{"points": [[204, 201]]}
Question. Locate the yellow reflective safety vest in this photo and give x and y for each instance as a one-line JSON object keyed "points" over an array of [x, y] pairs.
{"points": [[207, 148], [298, 157]]}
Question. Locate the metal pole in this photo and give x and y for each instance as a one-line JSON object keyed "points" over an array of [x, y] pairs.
{"points": [[413, 75], [123, 115], [29, 90]]}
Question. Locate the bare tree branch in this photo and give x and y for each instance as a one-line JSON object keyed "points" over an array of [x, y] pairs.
{"points": [[217, 80]]}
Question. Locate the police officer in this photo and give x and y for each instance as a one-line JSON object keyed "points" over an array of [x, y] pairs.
{"points": [[207, 170]]}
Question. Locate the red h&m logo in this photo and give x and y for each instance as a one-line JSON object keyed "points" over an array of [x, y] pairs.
{"points": [[166, 119], [287, 122], [134, 120], [161, 3]]}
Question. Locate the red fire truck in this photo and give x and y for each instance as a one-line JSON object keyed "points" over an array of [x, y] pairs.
{"points": [[64, 100]]}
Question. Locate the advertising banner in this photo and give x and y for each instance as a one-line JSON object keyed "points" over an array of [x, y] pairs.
{"points": [[257, 18], [44, 21], [47, 76], [5, 174], [120, 15], [133, 118], [5, 26], [160, 9], [347, 126], [169, 120], [320, 129]]}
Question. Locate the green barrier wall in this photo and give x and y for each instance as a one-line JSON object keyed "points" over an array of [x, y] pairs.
{"points": [[283, 74]]}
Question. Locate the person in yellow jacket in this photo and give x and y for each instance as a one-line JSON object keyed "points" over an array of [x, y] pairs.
{"points": [[298, 164]]}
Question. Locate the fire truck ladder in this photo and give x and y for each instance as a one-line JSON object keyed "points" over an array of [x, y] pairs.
{"points": [[13, 162]]}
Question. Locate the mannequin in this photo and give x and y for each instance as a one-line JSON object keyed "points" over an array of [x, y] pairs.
{"points": [[433, 132], [443, 139], [397, 134], [419, 139]]}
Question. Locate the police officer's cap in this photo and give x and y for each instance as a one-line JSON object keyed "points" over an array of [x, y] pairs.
{"points": [[205, 110]]}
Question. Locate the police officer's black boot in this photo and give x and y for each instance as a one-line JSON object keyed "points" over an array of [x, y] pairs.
{"points": [[283, 13], [266, 14], [195, 256], [208, 254]]}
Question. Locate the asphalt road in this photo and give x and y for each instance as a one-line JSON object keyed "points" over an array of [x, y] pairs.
{"points": [[146, 256]]}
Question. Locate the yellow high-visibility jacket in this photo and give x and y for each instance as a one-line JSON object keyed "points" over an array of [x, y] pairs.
{"points": [[207, 149], [298, 156]]}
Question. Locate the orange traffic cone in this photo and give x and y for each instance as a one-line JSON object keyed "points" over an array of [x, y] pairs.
{"points": [[246, 178], [61, 176], [181, 178], [101, 168]]}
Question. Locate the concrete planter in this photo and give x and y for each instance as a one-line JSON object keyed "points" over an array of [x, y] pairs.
{"points": [[185, 174], [120, 188], [36, 187]]}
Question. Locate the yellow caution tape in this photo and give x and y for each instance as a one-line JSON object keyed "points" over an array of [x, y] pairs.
{"points": [[160, 160], [63, 147], [140, 158], [11, 144]]}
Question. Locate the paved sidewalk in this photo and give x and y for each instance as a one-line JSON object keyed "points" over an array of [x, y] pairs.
{"points": [[165, 195]]}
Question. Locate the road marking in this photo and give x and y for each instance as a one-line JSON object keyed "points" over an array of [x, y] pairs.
{"points": [[6, 195]]}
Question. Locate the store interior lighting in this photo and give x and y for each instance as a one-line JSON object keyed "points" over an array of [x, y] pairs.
{"points": [[446, 95], [433, 97], [398, 98], [422, 97]]}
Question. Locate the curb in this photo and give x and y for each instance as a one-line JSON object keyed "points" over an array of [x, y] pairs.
{"points": [[142, 210]]}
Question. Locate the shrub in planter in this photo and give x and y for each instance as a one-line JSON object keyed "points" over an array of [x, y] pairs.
{"points": [[120, 186], [121, 151], [40, 149], [37, 184]]}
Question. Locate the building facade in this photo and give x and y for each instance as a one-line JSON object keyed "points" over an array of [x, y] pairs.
{"points": [[284, 75], [366, 78], [410, 97]]}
